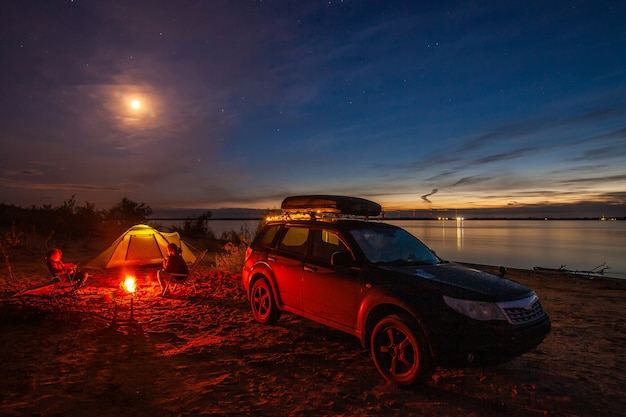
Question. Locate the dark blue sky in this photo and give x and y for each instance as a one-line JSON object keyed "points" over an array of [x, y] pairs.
{"points": [[427, 105]]}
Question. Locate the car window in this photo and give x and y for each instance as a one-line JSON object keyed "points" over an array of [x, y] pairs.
{"points": [[393, 246], [295, 240], [269, 234], [324, 244]]}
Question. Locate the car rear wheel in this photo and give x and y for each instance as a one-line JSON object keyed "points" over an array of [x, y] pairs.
{"points": [[262, 302], [399, 351]]}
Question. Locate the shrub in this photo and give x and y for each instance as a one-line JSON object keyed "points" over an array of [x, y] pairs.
{"points": [[14, 237], [232, 257], [34, 227]]}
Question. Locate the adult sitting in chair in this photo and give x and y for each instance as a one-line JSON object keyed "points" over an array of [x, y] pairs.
{"points": [[173, 264], [63, 271]]}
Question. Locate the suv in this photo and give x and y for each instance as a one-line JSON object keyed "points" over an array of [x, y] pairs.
{"points": [[325, 259]]}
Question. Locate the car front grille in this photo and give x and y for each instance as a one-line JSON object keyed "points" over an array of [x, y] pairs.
{"points": [[523, 311], [521, 315]]}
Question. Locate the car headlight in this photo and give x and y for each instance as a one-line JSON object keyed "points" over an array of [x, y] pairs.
{"points": [[477, 310]]}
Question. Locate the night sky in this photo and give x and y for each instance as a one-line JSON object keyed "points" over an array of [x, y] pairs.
{"points": [[414, 104]]}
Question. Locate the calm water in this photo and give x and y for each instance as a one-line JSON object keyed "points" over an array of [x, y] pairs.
{"points": [[577, 244]]}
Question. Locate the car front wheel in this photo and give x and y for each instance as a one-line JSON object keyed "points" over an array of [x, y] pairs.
{"points": [[262, 302], [399, 351]]}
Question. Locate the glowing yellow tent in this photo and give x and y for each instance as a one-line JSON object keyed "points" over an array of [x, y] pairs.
{"points": [[140, 245]]}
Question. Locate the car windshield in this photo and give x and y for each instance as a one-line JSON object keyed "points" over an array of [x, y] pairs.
{"points": [[393, 246]]}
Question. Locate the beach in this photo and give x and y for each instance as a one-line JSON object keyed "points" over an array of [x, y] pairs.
{"points": [[202, 354]]}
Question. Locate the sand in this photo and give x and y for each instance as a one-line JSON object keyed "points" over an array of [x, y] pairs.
{"points": [[202, 355]]}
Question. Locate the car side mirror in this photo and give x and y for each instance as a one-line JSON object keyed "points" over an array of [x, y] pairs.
{"points": [[341, 259]]}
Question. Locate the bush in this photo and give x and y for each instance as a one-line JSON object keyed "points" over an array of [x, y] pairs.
{"points": [[232, 257]]}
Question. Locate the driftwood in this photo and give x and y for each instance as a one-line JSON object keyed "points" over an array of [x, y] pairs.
{"points": [[598, 270]]}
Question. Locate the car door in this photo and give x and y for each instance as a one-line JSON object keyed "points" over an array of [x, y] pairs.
{"points": [[287, 263], [331, 293]]}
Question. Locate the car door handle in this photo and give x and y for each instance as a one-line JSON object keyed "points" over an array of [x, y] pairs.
{"points": [[308, 268], [271, 259]]}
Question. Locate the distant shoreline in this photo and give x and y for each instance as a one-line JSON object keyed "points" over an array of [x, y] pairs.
{"points": [[208, 220], [414, 218]]}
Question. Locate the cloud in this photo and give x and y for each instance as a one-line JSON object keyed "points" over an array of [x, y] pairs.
{"points": [[503, 156], [470, 180], [425, 196], [60, 186], [596, 180], [26, 172]]}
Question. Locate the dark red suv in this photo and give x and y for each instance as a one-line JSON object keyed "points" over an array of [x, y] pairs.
{"points": [[326, 259]]}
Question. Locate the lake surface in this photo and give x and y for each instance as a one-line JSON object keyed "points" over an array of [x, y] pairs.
{"points": [[580, 245]]}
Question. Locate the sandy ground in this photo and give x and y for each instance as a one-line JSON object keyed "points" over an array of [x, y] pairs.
{"points": [[202, 355]]}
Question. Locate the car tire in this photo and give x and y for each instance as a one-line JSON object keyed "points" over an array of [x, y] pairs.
{"points": [[262, 302], [399, 351]]}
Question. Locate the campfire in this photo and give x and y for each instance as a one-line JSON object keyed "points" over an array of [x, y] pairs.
{"points": [[129, 284]]}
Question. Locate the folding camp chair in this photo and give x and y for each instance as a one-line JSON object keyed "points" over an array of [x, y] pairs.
{"points": [[183, 279], [64, 280]]}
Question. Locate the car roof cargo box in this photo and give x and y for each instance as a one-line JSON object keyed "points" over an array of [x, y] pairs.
{"points": [[337, 204]]}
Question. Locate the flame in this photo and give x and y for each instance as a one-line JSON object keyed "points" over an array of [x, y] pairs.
{"points": [[130, 284]]}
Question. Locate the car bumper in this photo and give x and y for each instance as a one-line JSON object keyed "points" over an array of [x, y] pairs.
{"points": [[490, 342]]}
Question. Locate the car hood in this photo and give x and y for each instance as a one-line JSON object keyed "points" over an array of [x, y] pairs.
{"points": [[463, 282]]}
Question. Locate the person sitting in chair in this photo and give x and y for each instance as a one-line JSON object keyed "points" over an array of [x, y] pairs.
{"points": [[173, 264], [64, 271]]}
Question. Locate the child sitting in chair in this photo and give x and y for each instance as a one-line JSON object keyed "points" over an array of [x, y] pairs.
{"points": [[64, 271]]}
